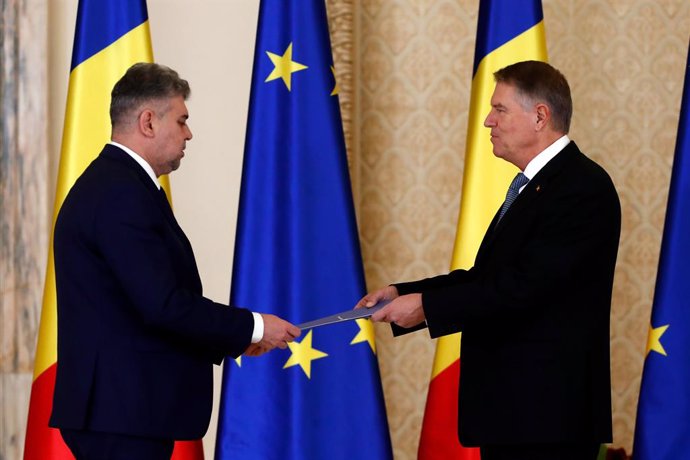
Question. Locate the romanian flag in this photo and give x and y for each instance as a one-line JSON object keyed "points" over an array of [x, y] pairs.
{"points": [[508, 31], [110, 36], [297, 255], [662, 431]]}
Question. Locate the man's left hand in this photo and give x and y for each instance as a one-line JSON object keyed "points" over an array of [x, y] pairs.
{"points": [[405, 311]]}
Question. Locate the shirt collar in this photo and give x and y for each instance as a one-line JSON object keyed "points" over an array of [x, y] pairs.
{"points": [[147, 167], [546, 155]]}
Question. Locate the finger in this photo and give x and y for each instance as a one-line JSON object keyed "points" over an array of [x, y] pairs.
{"points": [[372, 300], [362, 302], [385, 314], [258, 352], [267, 346], [402, 323], [380, 316], [251, 351]]}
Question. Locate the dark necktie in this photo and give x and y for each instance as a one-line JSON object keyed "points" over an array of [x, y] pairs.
{"points": [[513, 192], [170, 216], [163, 196]]}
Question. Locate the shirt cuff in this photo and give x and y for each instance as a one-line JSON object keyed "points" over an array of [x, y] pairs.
{"points": [[258, 333]]}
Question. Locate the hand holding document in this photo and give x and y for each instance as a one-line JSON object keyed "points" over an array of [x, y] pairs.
{"points": [[347, 315], [405, 311]]}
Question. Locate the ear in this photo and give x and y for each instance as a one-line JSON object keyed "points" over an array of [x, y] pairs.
{"points": [[543, 113], [145, 122]]}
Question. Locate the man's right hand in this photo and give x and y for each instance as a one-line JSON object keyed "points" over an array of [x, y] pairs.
{"points": [[277, 333]]}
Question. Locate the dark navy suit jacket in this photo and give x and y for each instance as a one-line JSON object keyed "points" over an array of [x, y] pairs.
{"points": [[136, 338], [534, 312]]}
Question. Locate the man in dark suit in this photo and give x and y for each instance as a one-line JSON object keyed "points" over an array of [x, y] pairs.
{"points": [[534, 309], [136, 337]]}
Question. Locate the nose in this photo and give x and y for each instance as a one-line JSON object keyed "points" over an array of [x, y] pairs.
{"points": [[189, 134], [489, 120]]}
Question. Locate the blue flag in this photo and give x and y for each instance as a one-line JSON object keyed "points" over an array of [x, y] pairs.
{"points": [[297, 256], [662, 431]]}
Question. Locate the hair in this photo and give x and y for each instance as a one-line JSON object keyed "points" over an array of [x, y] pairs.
{"points": [[144, 82], [537, 81]]}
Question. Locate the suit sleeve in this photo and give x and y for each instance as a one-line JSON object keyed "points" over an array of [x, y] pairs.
{"points": [[427, 284], [436, 282]]}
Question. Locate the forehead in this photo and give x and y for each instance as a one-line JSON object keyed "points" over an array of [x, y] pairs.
{"points": [[173, 107], [177, 106], [504, 94]]}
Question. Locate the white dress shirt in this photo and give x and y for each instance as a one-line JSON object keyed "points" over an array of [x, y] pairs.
{"points": [[546, 155]]}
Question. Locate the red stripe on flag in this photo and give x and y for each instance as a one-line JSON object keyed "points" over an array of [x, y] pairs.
{"points": [[43, 442], [439, 439], [188, 450]]}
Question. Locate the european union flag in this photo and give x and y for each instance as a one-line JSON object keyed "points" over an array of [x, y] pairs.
{"points": [[297, 256], [662, 431]]}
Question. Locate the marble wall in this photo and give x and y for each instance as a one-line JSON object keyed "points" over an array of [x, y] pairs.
{"points": [[404, 71], [23, 207]]}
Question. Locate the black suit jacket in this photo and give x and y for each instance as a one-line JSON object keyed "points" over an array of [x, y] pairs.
{"points": [[136, 338], [534, 312]]}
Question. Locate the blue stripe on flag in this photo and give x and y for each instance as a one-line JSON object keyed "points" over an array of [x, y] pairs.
{"points": [[501, 21], [102, 22], [662, 431], [297, 255]]}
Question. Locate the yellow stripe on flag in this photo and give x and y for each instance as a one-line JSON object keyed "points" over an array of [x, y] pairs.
{"points": [[486, 177], [485, 181], [87, 129], [446, 353]]}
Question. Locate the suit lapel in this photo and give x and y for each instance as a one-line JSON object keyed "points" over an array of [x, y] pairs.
{"points": [[117, 154], [535, 188]]}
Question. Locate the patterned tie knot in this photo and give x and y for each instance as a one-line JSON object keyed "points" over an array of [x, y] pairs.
{"points": [[513, 191], [518, 181]]}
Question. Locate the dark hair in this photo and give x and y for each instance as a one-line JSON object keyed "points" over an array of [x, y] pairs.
{"points": [[540, 82], [141, 83]]}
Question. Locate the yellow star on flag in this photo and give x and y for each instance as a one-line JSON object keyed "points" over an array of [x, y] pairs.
{"points": [[365, 334], [303, 354], [284, 66], [336, 89], [238, 360], [654, 339]]}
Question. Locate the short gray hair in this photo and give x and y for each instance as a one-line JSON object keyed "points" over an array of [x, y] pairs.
{"points": [[540, 82], [141, 83]]}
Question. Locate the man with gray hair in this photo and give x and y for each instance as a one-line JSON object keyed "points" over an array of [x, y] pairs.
{"points": [[534, 309], [136, 337]]}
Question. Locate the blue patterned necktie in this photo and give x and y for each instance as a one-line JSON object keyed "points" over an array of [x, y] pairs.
{"points": [[513, 192]]}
